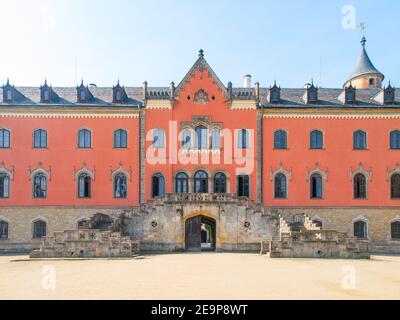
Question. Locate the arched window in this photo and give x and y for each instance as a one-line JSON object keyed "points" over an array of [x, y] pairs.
{"points": [[395, 139], [158, 138], [220, 183], [201, 182], [360, 229], [120, 139], [395, 230], [118, 95], [84, 138], [9, 95], [243, 186], [46, 95], [181, 183], [360, 186], [39, 185], [318, 223], [4, 185], [187, 139], [4, 138], [316, 139], [120, 186], [82, 95], [201, 138], [243, 139], [39, 229], [158, 186], [316, 186], [395, 186], [216, 139], [280, 139], [40, 138], [360, 140], [3, 230], [280, 186], [84, 185]]}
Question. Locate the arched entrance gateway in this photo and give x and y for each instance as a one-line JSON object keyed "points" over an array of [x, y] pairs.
{"points": [[200, 234]]}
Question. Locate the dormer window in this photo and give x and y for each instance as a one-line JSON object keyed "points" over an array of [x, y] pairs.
{"points": [[371, 82], [46, 95], [8, 92], [274, 94], [389, 95], [84, 94], [119, 94], [350, 95], [311, 94]]}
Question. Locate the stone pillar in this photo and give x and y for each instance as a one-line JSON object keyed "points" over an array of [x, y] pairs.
{"points": [[142, 156], [260, 135]]}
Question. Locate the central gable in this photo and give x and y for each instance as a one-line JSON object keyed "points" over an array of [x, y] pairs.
{"points": [[201, 65]]}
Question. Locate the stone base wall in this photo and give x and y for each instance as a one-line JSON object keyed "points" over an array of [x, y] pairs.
{"points": [[161, 226], [341, 219]]}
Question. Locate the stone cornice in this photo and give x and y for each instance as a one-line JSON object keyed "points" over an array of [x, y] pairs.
{"points": [[313, 113], [67, 113]]}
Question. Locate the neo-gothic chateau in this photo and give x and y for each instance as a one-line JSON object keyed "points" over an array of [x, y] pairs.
{"points": [[202, 165]]}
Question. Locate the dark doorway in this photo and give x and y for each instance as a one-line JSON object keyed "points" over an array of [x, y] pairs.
{"points": [[200, 234]]}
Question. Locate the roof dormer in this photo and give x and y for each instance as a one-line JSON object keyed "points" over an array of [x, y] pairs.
{"points": [[274, 94], [47, 95], [386, 96], [8, 92], [310, 94], [83, 94], [119, 94], [348, 96]]}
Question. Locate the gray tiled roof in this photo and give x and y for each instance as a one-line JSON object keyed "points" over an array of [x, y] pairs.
{"points": [[290, 97]]}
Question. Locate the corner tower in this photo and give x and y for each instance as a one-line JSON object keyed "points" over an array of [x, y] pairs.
{"points": [[365, 75]]}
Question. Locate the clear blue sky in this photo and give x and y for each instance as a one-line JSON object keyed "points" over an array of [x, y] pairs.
{"points": [[158, 41]]}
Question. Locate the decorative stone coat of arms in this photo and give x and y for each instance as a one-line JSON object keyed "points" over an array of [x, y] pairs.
{"points": [[201, 97]]}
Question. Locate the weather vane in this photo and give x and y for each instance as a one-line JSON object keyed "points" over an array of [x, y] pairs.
{"points": [[363, 26]]}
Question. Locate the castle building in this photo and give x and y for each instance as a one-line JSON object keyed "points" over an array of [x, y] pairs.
{"points": [[202, 164]]}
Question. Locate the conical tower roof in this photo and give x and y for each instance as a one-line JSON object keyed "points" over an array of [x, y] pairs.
{"points": [[364, 66]]}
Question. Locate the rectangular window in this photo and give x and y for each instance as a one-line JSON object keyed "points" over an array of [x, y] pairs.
{"points": [[243, 139], [158, 138]]}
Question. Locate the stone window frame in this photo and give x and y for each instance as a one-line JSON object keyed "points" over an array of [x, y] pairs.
{"points": [[10, 174], [359, 130], [318, 218], [128, 176], [90, 173], [395, 219], [368, 179], [228, 179], [78, 138], [324, 176], [159, 174], [363, 219], [323, 138], [190, 181], [36, 219], [287, 173], [4, 130], [8, 221], [40, 131], [389, 175], [114, 138], [40, 170], [287, 139]]}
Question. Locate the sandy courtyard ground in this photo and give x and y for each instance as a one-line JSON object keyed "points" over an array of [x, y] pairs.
{"points": [[201, 276]]}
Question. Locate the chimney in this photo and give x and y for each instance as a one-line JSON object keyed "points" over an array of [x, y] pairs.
{"points": [[247, 81]]}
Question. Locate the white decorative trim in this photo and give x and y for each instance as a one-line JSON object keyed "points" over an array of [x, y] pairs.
{"points": [[47, 113], [395, 219], [158, 104], [84, 169], [280, 169], [360, 169], [340, 114], [120, 169], [39, 218], [324, 174], [389, 174], [243, 105], [2, 218], [10, 173], [318, 218], [39, 169]]}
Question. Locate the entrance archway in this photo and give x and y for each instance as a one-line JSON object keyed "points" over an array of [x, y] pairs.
{"points": [[200, 234]]}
